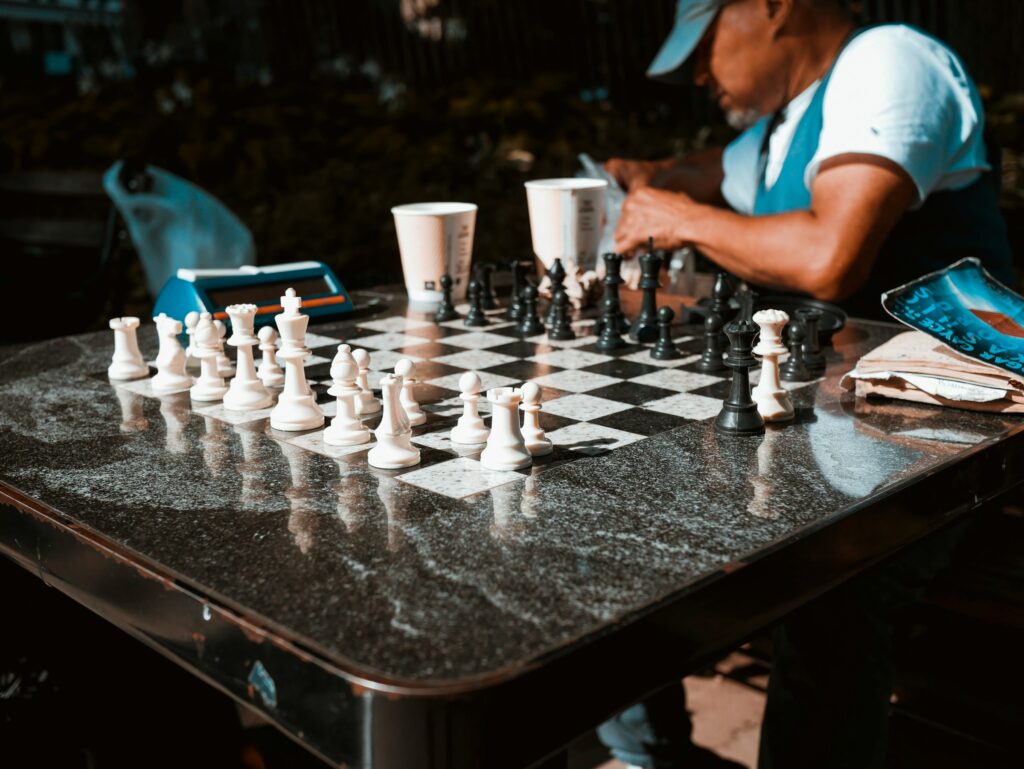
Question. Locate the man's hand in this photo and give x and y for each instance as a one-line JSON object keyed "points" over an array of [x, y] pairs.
{"points": [[650, 212], [633, 174]]}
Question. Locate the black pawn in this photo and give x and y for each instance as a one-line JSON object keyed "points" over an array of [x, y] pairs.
{"points": [[645, 327], [560, 327], [739, 415], [483, 271], [813, 356], [529, 323], [475, 316], [556, 275], [795, 368], [515, 306], [665, 348], [611, 336], [714, 340], [447, 310]]}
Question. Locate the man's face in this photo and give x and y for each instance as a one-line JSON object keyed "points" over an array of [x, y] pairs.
{"points": [[740, 62]]}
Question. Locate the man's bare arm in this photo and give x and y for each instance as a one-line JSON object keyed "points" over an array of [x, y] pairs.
{"points": [[699, 175], [827, 251]]}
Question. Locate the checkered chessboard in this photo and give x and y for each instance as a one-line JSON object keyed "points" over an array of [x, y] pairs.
{"points": [[593, 401]]}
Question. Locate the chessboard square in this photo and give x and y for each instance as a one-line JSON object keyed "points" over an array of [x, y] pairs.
{"points": [[718, 390], [427, 351], [644, 357], [476, 340], [396, 323], [390, 340], [459, 477], [580, 341], [385, 360], [523, 370], [475, 359], [690, 345], [438, 439], [687, 405], [221, 414], [488, 381], [592, 439], [583, 407], [313, 360], [631, 392], [676, 380], [570, 358], [523, 349], [621, 368], [314, 441], [629, 348], [144, 387], [575, 381], [642, 421], [320, 340], [455, 406]]}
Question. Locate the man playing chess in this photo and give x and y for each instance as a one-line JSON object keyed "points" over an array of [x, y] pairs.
{"points": [[861, 165]]}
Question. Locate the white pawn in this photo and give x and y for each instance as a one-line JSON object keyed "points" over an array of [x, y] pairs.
{"points": [[127, 362], [773, 403], [536, 442], [271, 373], [296, 407], [247, 392], [206, 346], [345, 428], [506, 449], [470, 430], [406, 369], [223, 361], [394, 447], [366, 403], [170, 361], [191, 319]]}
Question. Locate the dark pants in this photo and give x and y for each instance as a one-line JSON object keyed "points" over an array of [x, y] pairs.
{"points": [[832, 675]]}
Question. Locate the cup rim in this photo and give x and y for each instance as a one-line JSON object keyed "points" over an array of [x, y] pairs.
{"points": [[565, 183], [439, 208]]}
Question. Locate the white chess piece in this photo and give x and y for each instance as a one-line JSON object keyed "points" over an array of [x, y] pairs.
{"points": [[366, 403], [773, 403], [506, 449], [406, 369], [170, 361], [394, 447], [191, 319], [536, 442], [206, 345], [246, 392], [127, 362], [223, 361], [470, 430], [345, 428], [296, 407], [270, 370]]}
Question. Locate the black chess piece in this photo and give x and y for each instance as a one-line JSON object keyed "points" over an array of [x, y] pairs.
{"points": [[475, 316], [556, 276], [447, 309], [813, 356], [645, 327], [483, 272], [746, 299], [612, 281], [518, 270], [560, 327], [611, 336], [529, 322], [665, 349], [795, 368], [739, 415], [714, 340]]}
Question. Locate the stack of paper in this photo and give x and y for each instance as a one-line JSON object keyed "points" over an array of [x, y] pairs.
{"points": [[915, 367]]}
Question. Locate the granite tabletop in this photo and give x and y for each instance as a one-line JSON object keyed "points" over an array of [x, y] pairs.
{"points": [[393, 582]]}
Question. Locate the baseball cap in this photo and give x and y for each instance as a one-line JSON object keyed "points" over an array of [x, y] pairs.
{"points": [[693, 17]]}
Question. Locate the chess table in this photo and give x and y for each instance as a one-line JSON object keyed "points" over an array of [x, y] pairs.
{"points": [[444, 615]]}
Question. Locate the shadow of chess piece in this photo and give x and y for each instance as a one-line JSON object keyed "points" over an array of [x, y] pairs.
{"points": [[252, 471], [301, 496], [739, 415]]}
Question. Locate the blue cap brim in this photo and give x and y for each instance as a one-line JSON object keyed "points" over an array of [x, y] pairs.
{"points": [[681, 42]]}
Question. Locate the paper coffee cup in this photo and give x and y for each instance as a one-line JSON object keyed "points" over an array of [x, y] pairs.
{"points": [[567, 217], [434, 239]]}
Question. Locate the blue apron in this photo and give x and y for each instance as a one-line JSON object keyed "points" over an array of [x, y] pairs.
{"points": [[950, 225]]}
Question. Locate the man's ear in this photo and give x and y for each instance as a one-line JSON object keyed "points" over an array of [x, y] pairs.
{"points": [[777, 13]]}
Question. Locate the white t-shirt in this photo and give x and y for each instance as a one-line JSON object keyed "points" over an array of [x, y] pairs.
{"points": [[894, 92]]}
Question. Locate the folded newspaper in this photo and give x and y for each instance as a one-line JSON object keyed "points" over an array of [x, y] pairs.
{"points": [[916, 367]]}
